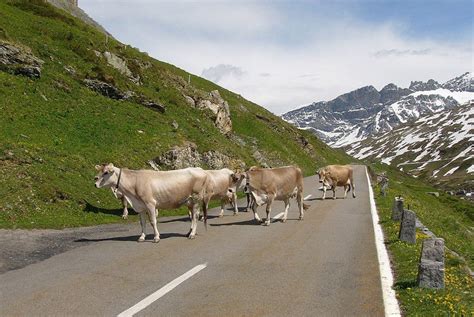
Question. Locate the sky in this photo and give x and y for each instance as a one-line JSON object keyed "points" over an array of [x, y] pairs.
{"points": [[285, 54]]}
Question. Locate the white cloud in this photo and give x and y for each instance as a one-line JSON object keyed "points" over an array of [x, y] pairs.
{"points": [[282, 64], [217, 73]]}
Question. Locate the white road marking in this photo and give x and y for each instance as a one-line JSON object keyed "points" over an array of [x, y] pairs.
{"points": [[278, 216], [161, 292], [308, 196], [386, 277]]}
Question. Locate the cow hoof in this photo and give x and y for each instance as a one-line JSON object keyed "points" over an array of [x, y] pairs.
{"points": [[334, 198], [124, 217], [283, 220], [221, 215], [191, 237], [235, 213], [267, 223], [300, 218], [141, 239], [156, 240]]}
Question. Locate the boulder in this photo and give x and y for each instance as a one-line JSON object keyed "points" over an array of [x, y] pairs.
{"points": [[219, 107], [433, 249], [19, 60], [121, 65], [105, 89]]}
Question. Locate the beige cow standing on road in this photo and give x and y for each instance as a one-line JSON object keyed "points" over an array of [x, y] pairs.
{"points": [[147, 190], [332, 176], [269, 184], [221, 182]]}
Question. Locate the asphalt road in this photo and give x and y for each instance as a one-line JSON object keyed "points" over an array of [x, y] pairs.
{"points": [[324, 265]]}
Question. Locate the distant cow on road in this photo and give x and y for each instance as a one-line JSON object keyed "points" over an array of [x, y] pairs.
{"points": [[221, 182], [268, 184], [147, 190], [332, 176]]}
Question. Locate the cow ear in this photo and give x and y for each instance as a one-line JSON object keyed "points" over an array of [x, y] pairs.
{"points": [[98, 167], [110, 167]]}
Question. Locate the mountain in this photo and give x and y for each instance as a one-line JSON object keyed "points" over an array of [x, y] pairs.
{"points": [[364, 112], [72, 97], [439, 147]]}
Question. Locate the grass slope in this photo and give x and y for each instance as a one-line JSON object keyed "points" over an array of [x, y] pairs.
{"points": [[447, 217], [54, 130]]}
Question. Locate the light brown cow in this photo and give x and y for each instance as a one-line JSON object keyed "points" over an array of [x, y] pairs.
{"points": [[146, 190], [332, 176], [268, 184], [221, 182]]}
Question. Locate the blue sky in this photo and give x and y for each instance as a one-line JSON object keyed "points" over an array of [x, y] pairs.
{"points": [[284, 54]]}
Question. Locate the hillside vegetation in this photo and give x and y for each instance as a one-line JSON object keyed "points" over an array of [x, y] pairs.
{"points": [[448, 217], [54, 129]]}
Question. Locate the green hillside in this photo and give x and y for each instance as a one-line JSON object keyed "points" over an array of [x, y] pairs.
{"points": [[54, 129]]}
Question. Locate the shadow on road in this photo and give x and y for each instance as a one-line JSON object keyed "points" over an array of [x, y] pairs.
{"points": [[134, 238], [251, 222], [91, 208]]}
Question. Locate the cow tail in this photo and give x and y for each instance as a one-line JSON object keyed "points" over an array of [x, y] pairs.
{"points": [[204, 211], [305, 206]]}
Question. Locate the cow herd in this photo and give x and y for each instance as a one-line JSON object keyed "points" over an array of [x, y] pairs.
{"points": [[148, 191]]}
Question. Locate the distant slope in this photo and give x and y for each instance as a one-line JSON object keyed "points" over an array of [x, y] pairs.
{"points": [[68, 103], [439, 147], [364, 112]]}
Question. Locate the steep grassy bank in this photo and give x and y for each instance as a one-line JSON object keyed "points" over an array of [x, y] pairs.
{"points": [[54, 129], [447, 217]]}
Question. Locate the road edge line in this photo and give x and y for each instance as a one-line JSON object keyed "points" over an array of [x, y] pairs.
{"points": [[386, 277], [161, 292]]}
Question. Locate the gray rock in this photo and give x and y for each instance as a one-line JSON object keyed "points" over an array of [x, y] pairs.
{"points": [[105, 89], [430, 274], [219, 107], [121, 65], [174, 125], [19, 60], [397, 209], [190, 101], [408, 227], [433, 249], [420, 86]]}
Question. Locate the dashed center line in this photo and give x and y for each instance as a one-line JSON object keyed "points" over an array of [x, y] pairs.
{"points": [[278, 216], [161, 292], [307, 197]]}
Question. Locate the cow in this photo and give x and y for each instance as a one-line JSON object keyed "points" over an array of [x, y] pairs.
{"points": [[268, 184], [221, 182], [147, 190], [332, 176]]}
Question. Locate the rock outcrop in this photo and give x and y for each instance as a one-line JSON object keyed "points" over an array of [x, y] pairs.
{"points": [[19, 60], [110, 91], [121, 65], [188, 155], [218, 106]]}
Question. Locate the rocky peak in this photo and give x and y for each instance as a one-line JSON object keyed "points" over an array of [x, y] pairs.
{"points": [[391, 93], [465, 82], [422, 86], [364, 97]]}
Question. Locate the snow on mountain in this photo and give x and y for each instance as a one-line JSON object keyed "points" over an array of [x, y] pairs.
{"points": [[439, 146]]}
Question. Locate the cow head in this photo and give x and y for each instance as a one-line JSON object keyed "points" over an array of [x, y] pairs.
{"points": [[106, 176], [324, 177], [235, 181]]}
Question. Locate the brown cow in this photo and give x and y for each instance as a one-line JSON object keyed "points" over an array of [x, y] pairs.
{"points": [[146, 190], [332, 176], [268, 184]]}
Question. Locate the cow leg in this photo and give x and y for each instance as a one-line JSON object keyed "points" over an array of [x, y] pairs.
{"points": [[152, 216], [194, 220], [223, 203], [125, 209], [353, 189], [248, 202], [287, 206], [143, 224], [333, 192], [324, 192], [269, 209], [346, 189], [255, 214], [299, 199], [234, 200]]}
